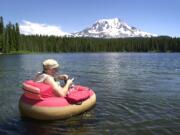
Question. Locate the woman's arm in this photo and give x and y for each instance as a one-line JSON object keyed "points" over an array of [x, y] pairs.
{"points": [[63, 77], [60, 91]]}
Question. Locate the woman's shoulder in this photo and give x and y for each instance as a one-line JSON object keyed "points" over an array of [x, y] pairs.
{"points": [[41, 77]]}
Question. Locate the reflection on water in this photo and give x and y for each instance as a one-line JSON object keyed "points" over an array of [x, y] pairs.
{"points": [[137, 93]]}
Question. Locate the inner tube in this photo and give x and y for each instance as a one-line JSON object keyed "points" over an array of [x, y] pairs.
{"points": [[39, 102]]}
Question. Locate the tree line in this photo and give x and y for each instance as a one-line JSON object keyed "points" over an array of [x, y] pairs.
{"points": [[11, 41], [9, 37]]}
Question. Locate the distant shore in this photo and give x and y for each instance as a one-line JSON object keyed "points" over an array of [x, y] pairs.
{"points": [[28, 52]]}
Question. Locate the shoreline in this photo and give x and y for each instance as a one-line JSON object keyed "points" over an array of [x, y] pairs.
{"points": [[13, 53]]}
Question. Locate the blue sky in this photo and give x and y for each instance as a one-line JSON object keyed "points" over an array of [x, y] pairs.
{"points": [[161, 17]]}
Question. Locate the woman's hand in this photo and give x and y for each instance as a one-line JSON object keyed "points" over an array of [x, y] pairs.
{"points": [[70, 82]]}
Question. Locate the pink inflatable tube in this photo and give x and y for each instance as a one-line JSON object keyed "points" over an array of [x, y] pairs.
{"points": [[40, 102]]}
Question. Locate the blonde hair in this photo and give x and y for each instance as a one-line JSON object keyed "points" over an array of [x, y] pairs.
{"points": [[49, 64]]}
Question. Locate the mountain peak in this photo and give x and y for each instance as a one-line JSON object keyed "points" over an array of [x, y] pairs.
{"points": [[111, 28], [113, 20]]}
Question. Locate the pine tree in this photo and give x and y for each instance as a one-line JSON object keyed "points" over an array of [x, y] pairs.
{"points": [[17, 36], [1, 25], [1, 32]]}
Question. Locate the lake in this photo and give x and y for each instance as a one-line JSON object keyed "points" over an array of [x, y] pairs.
{"points": [[137, 93]]}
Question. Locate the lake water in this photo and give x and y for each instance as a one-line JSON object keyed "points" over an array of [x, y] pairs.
{"points": [[137, 93]]}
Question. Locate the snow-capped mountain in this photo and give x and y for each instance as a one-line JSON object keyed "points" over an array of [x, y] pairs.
{"points": [[111, 28]]}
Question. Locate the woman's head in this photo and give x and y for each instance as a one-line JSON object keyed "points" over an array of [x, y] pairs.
{"points": [[50, 66]]}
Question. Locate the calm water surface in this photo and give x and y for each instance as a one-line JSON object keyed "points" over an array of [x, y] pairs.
{"points": [[137, 93]]}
